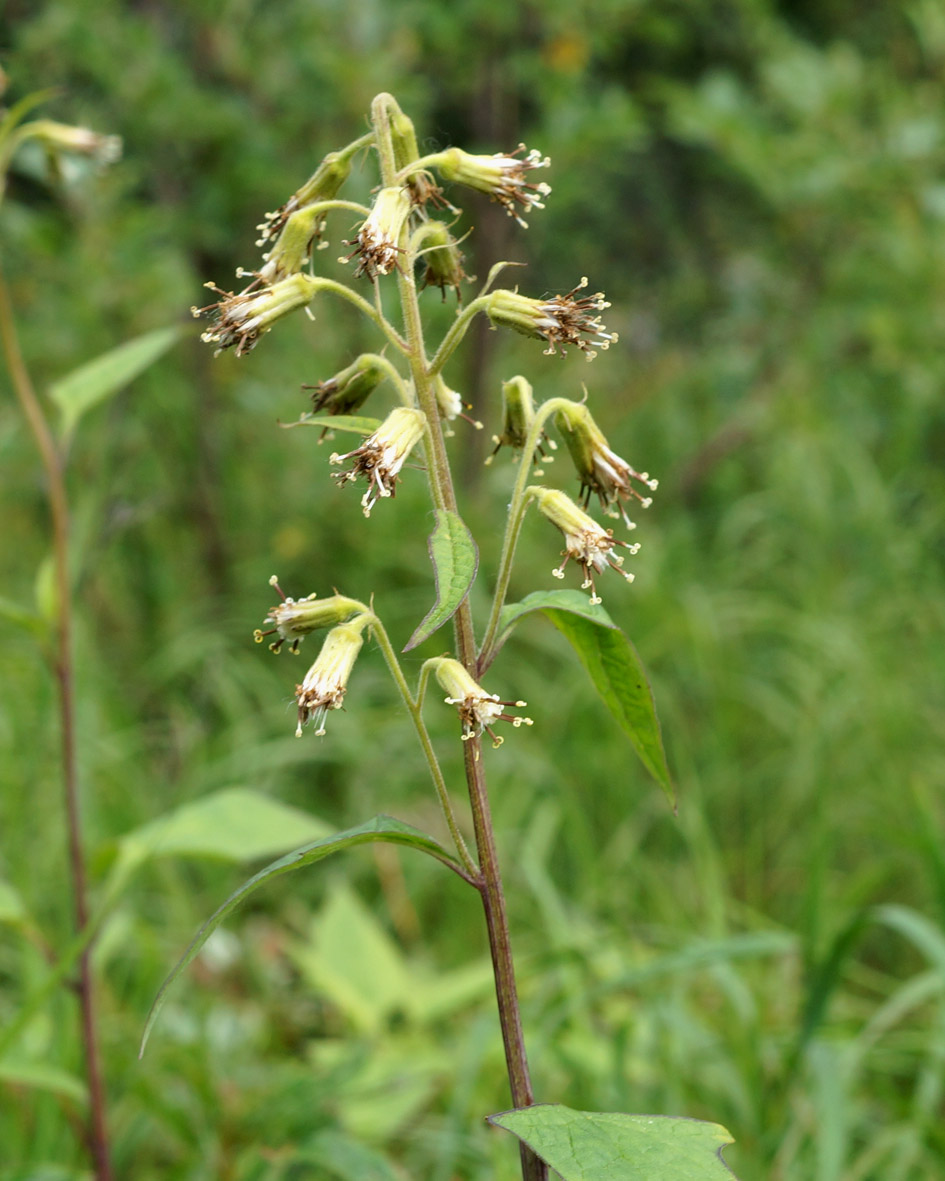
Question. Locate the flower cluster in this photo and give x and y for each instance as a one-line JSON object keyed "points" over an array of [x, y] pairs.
{"points": [[325, 684], [294, 619], [599, 469], [477, 709], [240, 320], [378, 242], [504, 178], [592, 547], [560, 320], [381, 456]]}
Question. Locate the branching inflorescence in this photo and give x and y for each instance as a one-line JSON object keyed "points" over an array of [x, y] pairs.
{"points": [[405, 239]]}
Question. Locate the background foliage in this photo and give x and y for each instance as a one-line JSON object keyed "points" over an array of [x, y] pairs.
{"points": [[760, 189]]}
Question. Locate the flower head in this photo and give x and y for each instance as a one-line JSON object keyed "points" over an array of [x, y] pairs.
{"points": [[561, 320], [518, 414], [381, 456], [324, 184], [326, 682], [242, 319], [379, 235], [451, 404], [80, 141], [350, 388], [443, 257], [295, 618], [504, 178], [584, 540], [599, 469], [477, 709]]}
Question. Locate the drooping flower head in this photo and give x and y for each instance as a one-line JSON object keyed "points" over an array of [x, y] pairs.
{"points": [[381, 456], [294, 619], [350, 388], [504, 178], [242, 319], [477, 709], [324, 184], [80, 141], [326, 682], [443, 257], [599, 469], [560, 320], [518, 414], [377, 243], [592, 547]]}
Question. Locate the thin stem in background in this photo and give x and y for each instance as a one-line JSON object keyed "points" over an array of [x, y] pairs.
{"points": [[63, 669]]}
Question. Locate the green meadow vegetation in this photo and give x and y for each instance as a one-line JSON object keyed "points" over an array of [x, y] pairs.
{"points": [[759, 188]]}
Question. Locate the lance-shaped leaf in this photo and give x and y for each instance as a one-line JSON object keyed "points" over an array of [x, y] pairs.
{"points": [[455, 561], [97, 380], [612, 663], [590, 1145], [381, 828]]}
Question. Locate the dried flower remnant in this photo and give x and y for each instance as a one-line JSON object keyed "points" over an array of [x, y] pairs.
{"points": [[518, 414], [381, 456], [240, 320], [560, 320], [377, 242], [326, 682], [477, 709], [599, 469], [294, 619], [504, 178], [584, 540]]}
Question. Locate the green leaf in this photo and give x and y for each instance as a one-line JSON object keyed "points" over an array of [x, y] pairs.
{"points": [[558, 600], [619, 677], [381, 828], [235, 824], [591, 1145], [97, 380], [43, 1077], [12, 907], [354, 423], [455, 561], [21, 616]]}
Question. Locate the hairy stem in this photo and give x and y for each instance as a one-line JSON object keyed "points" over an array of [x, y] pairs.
{"points": [[63, 670], [490, 881]]}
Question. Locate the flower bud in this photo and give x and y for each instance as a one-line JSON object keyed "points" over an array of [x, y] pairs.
{"points": [[477, 709], [63, 137], [560, 320], [377, 243], [502, 177], [241, 319], [599, 469], [443, 258], [295, 618], [518, 414], [324, 184], [381, 456], [451, 404], [349, 389], [584, 540], [326, 682]]}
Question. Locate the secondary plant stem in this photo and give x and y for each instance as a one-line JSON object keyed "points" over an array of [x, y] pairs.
{"points": [[63, 669]]}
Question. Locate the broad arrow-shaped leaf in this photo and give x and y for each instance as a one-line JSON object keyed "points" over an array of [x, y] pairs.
{"points": [[594, 1145]]}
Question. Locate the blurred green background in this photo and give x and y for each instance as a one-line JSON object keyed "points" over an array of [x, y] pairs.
{"points": [[759, 187]]}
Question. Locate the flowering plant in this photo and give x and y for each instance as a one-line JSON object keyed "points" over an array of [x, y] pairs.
{"points": [[400, 240]]}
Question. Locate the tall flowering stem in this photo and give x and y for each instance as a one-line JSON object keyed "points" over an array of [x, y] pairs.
{"points": [[489, 880]]}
